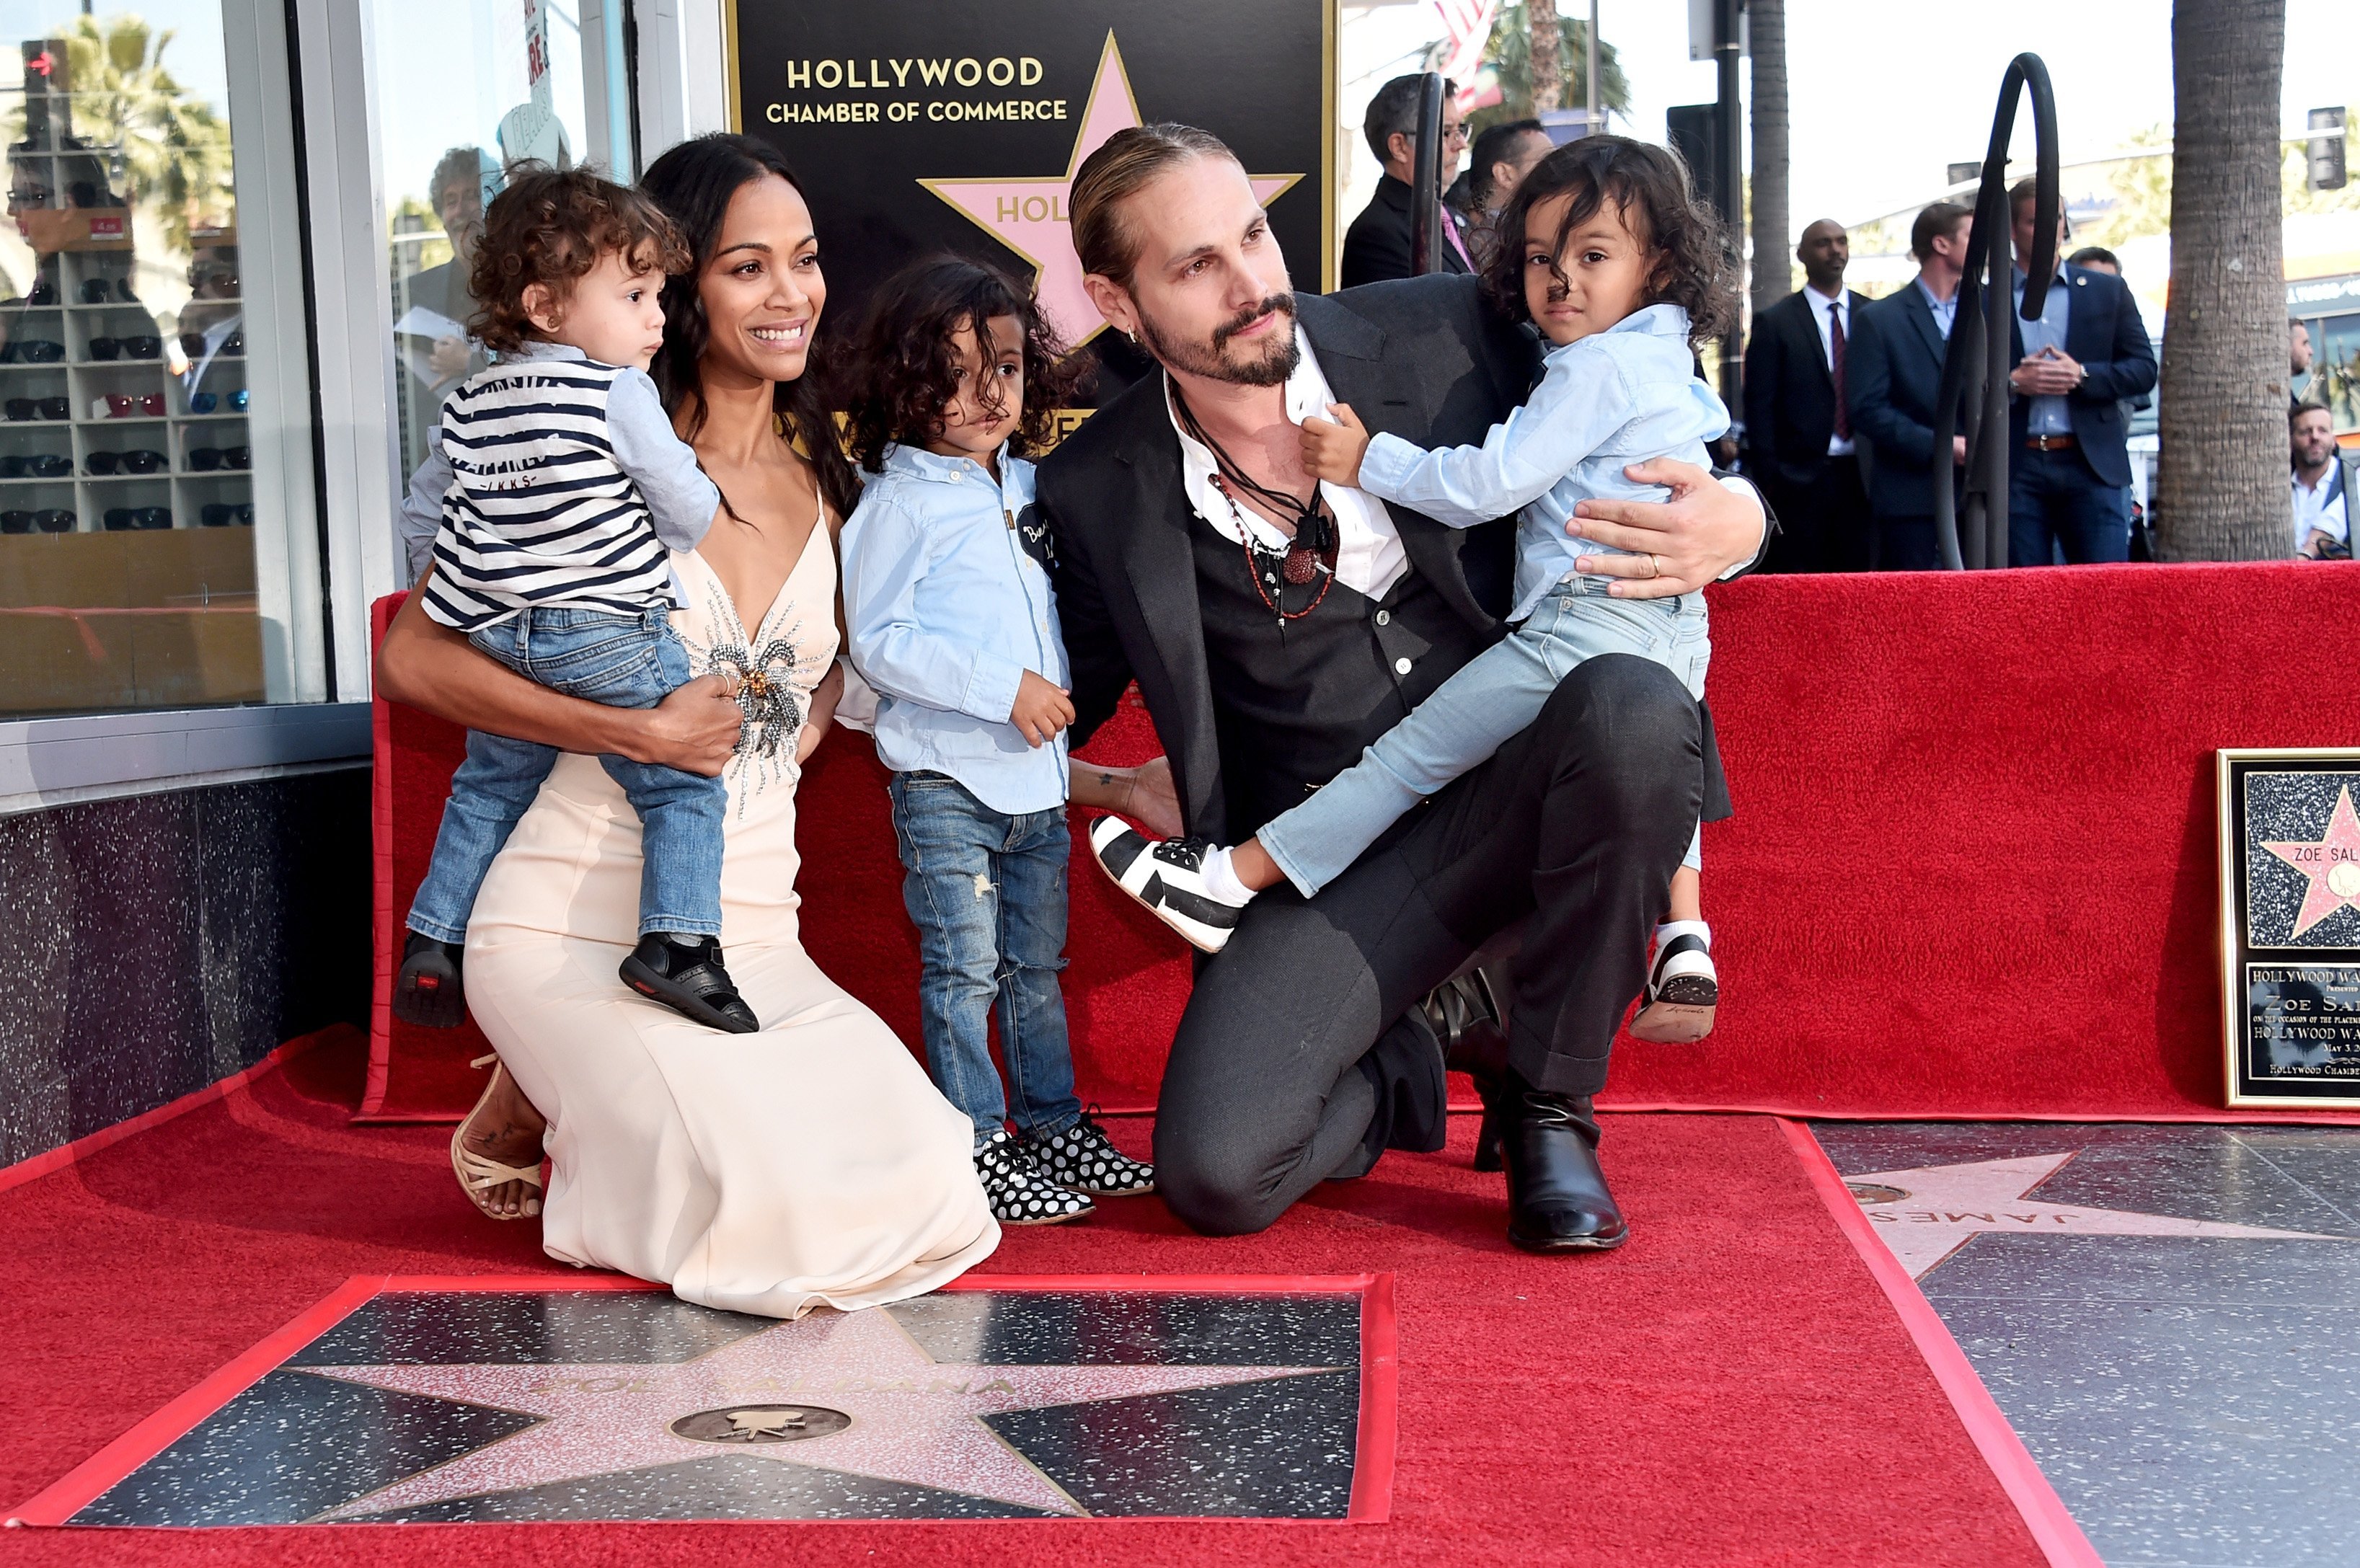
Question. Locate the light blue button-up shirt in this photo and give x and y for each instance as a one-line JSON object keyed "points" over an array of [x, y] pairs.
{"points": [[1621, 397], [1946, 312], [2047, 415], [947, 609]]}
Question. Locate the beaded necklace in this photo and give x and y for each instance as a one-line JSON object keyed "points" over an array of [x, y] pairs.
{"points": [[1309, 555]]}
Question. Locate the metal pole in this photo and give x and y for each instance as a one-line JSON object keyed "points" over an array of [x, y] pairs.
{"points": [[1589, 73], [1426, 191], [1728, 155]]}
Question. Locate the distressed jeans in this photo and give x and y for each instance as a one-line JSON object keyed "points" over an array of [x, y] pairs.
{"points": [[987, 891], [622, 662]]}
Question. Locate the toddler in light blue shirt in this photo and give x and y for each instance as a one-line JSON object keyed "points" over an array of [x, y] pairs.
{"points": [[1605, 250]]}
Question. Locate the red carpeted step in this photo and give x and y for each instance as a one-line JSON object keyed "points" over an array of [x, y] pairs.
{"points": [[1730, 1387]]}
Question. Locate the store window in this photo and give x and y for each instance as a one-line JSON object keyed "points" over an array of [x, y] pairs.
{"points": [[467, 89], [148, 554]]}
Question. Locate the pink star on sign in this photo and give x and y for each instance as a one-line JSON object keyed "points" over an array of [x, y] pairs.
{"points": [[913, 1418], [2333, 865], [1029, 216]]}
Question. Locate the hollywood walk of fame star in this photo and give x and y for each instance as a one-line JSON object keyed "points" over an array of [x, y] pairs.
{"points": [[1940, 1208], [913, 1418], [1029, 216], [2332, 863]]}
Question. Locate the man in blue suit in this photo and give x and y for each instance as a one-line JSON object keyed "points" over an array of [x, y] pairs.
{"points": [[1895, 376], [2069, 476]]}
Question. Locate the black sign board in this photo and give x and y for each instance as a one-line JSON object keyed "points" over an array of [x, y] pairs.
{"points": [[921, 126], [2290, 926]]}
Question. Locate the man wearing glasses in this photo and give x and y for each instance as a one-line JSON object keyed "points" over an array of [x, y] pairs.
{"points": [[1376, 246]]}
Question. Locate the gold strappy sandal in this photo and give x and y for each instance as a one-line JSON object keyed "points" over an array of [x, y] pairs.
{"points": [[479, 1174]]}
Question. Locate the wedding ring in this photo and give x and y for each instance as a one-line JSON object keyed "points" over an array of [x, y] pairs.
{"points": [[1654, 566]]}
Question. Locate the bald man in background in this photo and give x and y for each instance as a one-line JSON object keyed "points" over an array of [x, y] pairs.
{"points": [[1798, 438]]}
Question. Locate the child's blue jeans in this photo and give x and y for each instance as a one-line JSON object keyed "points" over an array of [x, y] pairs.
{"points": [[622, 662], [1473, 714], [987, 891]]}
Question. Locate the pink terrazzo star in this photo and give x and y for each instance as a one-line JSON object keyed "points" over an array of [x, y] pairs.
{"points": [[2333, 865], [913, 1418], [1029, 216], [1940, 1208]]}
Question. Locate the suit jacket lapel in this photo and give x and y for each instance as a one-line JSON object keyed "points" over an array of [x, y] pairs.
{"points": [[1921, 316]]}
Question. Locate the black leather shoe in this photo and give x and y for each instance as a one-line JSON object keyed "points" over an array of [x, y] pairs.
{"points": [[1558, 1200], [1466, 1017], [428, 992], [685, 975]]}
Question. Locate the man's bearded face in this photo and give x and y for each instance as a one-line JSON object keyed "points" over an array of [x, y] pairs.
{"points": [[1266, 359]]}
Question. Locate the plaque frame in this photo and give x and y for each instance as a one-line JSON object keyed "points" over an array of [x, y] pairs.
{"points": [[2244, 1088]]}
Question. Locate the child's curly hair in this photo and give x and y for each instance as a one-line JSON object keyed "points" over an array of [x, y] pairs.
{"points": [[898, 377], [1694, 268], [551, 226]]}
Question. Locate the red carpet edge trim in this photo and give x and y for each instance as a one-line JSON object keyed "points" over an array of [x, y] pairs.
{"points": [[2018, 1473], [381, 1051], [1610, 1107], [49, 1161], [1372, 1459]]}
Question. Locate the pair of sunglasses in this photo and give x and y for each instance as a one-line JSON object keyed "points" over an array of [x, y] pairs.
{"points": [[127, 461], [129, 348], [37, 408], [123, 406], [206, 402], [99, 291], [37, 465], [211, 457], [222, 514], [32, 350], [193, 345], [122, 520], [45, 292], [56, 521]]}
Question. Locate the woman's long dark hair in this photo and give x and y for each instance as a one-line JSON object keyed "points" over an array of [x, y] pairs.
{"points": [[693, 183]]}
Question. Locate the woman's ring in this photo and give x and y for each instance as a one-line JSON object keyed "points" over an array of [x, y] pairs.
{"points": [[1654, 566]]}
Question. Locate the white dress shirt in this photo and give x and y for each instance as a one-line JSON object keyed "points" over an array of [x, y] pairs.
{"points": [[2323, 506], [1823, 308], [1368, 555]]}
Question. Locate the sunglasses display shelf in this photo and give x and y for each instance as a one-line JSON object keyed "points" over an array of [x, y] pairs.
{"points": [[100, 435]]}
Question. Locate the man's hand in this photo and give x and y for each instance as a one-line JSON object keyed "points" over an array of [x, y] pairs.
{"points": [[1041, 710], [2048, 374], [1678, 546], [447, 358], [1154, 803], [1332, 450], [694, 728]]}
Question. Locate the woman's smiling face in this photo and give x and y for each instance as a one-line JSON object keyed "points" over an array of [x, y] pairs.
{"points": [[761, 288]]}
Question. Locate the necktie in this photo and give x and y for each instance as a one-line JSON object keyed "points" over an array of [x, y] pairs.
{"points": [[1836, 368], [1450, 228]]}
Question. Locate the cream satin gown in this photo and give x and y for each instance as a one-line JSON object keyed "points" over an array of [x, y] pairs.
{"points": [[810, 1163]]}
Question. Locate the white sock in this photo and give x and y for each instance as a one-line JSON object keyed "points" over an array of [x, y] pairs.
{"points": [[1221, 879], [1672, 928]]}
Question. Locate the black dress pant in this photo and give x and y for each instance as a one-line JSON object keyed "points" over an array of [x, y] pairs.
{"points": [[1579, 822], [1823, 526]]}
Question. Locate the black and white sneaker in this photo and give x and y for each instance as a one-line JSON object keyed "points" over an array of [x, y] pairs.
{"points": [[1018, 1191], [1682, 992], [1082, 1159], [1167, 876]]}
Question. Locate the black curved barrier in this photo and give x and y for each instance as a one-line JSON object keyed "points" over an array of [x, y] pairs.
{"points": [[1426, 194], [1972, 529]]}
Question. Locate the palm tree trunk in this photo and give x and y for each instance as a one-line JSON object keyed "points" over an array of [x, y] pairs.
{"points": [[1548, 54], [1773, 270], [2221, 492]]}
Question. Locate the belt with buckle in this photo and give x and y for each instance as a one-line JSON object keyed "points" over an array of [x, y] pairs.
{"points": [[2049, 443]]}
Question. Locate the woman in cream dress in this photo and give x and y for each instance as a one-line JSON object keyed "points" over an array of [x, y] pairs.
{"points": [[810, 1163]]}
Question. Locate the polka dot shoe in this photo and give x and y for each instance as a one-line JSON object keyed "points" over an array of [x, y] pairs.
{"points": [[1082, 1160], [1019, 1192]]}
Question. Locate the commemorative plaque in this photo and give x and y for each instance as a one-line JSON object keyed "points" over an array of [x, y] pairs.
{"points": [[2291, 925]]}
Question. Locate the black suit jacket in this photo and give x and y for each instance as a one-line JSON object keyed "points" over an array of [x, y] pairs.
{"points": [[1376, 247], [1422, 358], [1790, 398], [2104, 332], [1892, 374]]}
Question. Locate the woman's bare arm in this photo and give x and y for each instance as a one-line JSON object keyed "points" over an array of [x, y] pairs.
{"points": [[431, 667], [823, 699]]}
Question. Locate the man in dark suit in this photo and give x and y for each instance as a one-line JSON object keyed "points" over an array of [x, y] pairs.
{"points": [[2069, 473], [1894, 379], [1798, 435], [1376, 247], [1276, 626]]}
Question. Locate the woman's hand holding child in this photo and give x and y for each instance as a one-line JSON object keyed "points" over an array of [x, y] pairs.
{"points": [[1332, 449]]}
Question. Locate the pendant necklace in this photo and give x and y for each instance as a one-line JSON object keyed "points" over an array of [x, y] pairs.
{"points": [[1309, 555]]}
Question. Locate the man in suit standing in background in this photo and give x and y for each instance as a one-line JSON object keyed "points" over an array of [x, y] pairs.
{"points": [[1893, 379], [1798, 434], [2070, 472], [1376, 247]]}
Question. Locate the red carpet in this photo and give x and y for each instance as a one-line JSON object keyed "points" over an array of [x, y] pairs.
{"points": [[1971, 875], [1730, 1387]]}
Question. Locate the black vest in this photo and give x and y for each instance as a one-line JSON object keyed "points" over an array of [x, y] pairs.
{"points": [[1296, 703]]}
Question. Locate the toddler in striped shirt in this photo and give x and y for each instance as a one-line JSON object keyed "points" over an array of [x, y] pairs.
{"points": [[568, 487]]}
